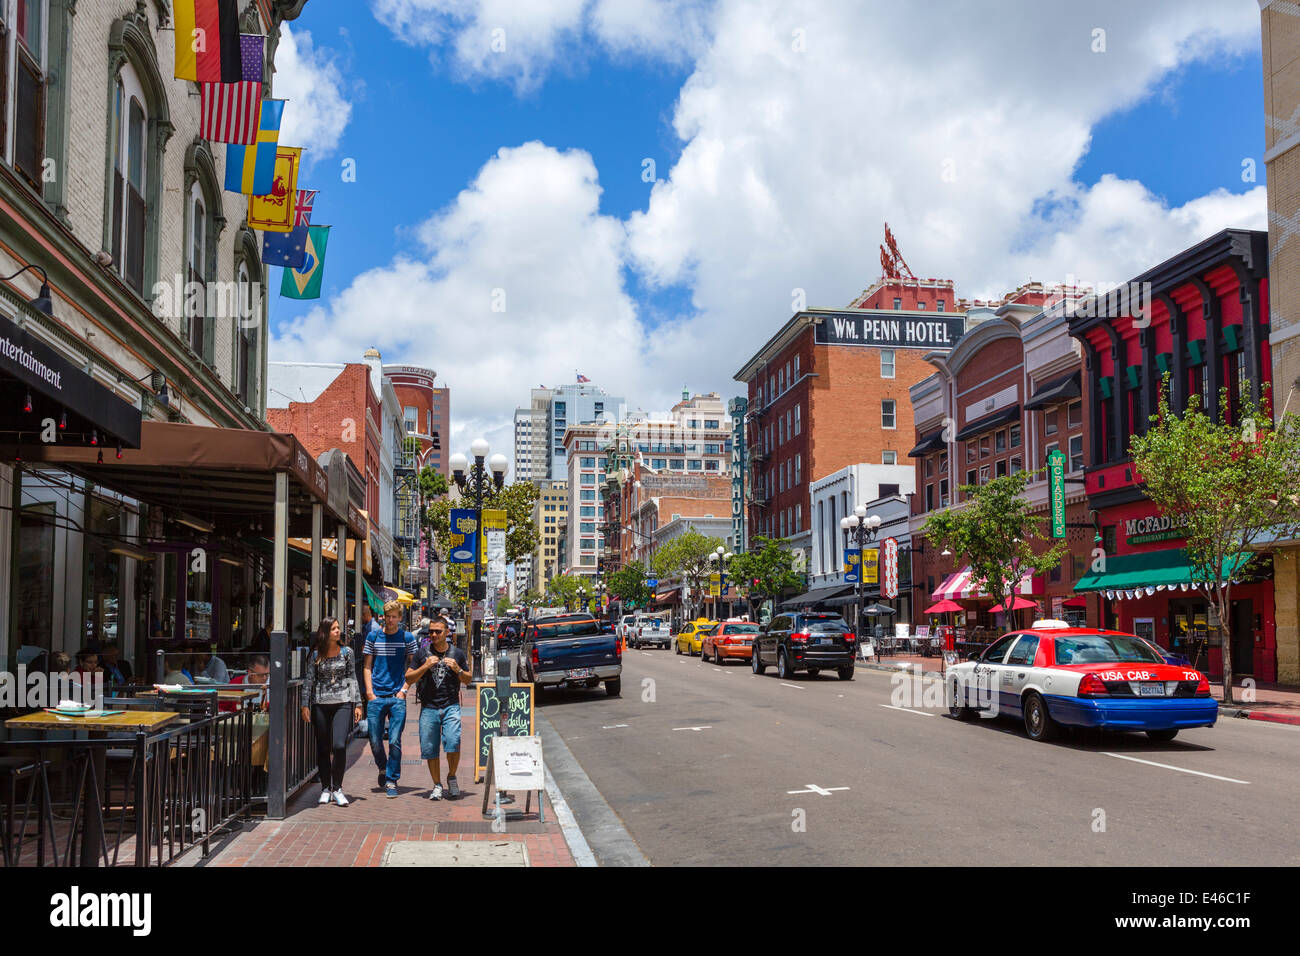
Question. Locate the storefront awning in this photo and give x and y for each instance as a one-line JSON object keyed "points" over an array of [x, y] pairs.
{"points": [[932, 442], [961, 586], [218, 474], [1009, 414], [1055, 392], [818, 596], [1159, 570], [60, 392], [667, 597]]}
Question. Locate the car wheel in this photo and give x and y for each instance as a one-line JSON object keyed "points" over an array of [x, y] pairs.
{"points": [[679, 647], [846, 673], [1162, 736], [756, 663], [614, 687], [956, 704], [783, 665], [1039, 724]]}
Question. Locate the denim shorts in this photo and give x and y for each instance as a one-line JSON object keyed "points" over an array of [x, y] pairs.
{"points": [[439, 723]]}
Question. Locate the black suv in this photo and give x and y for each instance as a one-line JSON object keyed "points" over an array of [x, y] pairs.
{"points": [[805, 641], [509, 633]]}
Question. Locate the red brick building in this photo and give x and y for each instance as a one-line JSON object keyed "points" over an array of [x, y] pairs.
{"points": [[830, 389], [426, 411], [345, 415]]}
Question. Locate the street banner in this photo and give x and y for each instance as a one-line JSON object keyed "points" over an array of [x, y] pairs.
{"points": [[852, 561], [871, 566], [1056, 486], [715, 585], [494, 546], [889, 587], [464, 535]]}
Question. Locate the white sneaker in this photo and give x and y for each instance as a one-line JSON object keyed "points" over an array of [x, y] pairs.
{"points": [[341, 800], [436, 793], [325, 797]]}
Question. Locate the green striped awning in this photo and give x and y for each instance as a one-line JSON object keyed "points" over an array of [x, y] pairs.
{"points": [[373, 599], [1159, 569]]}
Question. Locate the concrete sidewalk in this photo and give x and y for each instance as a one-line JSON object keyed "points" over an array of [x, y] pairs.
{"points": [[1277, 703], [374, 830]]}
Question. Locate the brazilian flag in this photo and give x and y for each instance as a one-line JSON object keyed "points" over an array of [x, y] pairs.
{"points": [[305, 283]]}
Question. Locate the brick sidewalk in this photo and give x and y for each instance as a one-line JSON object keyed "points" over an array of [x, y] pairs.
{"points": [[359, 834]]}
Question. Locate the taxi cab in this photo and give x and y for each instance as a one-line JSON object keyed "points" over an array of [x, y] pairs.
{"points": [[690, 639], [732, 638], [1052, 675]]}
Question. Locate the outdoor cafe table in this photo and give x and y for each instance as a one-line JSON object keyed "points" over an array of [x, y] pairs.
{"points": [[225, 694], [129, 721]]}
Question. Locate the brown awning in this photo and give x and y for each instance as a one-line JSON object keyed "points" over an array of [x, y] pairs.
{"points": [[220, 474]]}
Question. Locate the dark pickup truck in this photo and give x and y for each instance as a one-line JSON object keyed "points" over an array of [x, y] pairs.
{"points": [[570, 650]]}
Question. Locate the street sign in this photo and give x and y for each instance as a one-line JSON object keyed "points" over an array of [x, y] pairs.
{"points": [[652, 582], [889, 587], [1056, 490], [852, 559]]}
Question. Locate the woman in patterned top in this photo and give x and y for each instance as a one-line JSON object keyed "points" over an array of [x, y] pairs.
{"points": [[330, 695]]}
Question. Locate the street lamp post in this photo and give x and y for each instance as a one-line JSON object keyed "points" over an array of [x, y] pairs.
{"points": [[720, 557], [475, 480], [861, 529]]}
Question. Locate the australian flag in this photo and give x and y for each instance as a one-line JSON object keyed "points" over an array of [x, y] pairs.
{"points": [[288, 249]]}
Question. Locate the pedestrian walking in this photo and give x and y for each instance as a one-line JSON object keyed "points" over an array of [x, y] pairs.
{"points": [[331, 701], [438, 672], [386, 654], [368, 626]]}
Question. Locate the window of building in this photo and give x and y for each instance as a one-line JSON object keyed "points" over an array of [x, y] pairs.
{"points": [[658, 463], [929, 497], [999, 442], [1076, 452], [588, 479], [410, 415], [588, 463], [587, 512], [798, 469], [678, 464], [798, 518], [1015, 436], [1049, 449], [986, 447], [938, 306], [898, 303], [587, 496], [971, 476], [886, 363], [888, 414], [798, 426], [943, 492], [588, 544], [1000, 468], [796, 368], [1050, 421], [22, 71], [890, 458], [888, 491], [929, 467], [984, 474], [711, 423], [599, 409], [1074, 415], [130, 122], [920, 306], [711, 465]]}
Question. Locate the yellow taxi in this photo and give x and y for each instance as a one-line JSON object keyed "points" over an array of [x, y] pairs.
{"points": [[691, 637]]}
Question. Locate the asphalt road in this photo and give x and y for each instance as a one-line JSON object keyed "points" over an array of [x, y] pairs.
{"points": [[699, 760]]}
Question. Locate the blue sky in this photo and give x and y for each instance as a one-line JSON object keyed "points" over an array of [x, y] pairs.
{"points": [[1070, 164]]}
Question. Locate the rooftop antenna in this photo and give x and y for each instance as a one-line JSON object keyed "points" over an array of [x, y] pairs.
{"points": [[892, 264]]}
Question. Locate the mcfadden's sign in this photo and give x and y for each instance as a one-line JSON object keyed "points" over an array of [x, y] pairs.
{"points": [[1154, 528], [888, 330]]}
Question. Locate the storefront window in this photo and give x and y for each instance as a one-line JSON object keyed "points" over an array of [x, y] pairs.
{"points": [[198, 598], [102, 589], [162, 610], [34, 605]]}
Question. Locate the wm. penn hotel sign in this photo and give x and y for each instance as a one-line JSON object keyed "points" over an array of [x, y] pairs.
{"points": [[888, 330]]}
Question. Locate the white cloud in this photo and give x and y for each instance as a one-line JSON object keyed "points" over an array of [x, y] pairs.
{"points": [[310, 79], [804, 126]]}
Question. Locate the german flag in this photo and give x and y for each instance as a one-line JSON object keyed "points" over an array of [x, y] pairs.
{"points": [[207, 41]]}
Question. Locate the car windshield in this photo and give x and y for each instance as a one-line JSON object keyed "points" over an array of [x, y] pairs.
{"points": [[821, 625], [1105, 649], [547, 630], [742, 628]]}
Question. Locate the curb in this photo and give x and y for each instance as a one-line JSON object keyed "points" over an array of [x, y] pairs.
{"points": [[893, 669]]}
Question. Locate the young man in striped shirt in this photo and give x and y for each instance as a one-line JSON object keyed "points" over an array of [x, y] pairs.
{"points": [[386, 655]]}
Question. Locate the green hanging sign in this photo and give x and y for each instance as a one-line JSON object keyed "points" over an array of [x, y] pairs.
{"points": [[1056, 485]]}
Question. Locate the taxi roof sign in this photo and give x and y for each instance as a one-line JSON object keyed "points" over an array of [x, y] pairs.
{"points": [[1048, 623]]}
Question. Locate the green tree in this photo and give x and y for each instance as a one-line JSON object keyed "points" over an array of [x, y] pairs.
{"points": [[687, 555], [1228, 487], [628, 584], [563, 590], [996, 534], [503, 605], [771, 564]]}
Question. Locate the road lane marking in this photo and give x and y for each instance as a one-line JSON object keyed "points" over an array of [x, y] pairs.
{"points": [[646, 653], [813, 788], [696, 729], [612, 726], [1167, 766], [907, 710], [795, 686]]}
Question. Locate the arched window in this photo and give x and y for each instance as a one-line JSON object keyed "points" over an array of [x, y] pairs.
{"points": [[246, 357], [139, 127], [196, 271], [205, 303], [23, 72]]}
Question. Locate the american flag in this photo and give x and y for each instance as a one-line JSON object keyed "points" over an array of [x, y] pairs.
{"points": [[302, 207], [231, 111], [583, 378]]}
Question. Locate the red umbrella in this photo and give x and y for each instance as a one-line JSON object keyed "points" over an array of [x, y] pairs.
{"points": [[1018, 604], [943, 607], [1075, 602]]}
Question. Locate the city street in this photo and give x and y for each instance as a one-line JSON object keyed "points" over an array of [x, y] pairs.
{"points": [[918, 789]]}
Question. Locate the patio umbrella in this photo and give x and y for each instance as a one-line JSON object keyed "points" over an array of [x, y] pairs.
{"points": [[1078, 601], [943, 607], [1017, 604], [878, 609]]}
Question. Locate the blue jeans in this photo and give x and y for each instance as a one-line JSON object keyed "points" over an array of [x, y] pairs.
{"points": [[395, 710], [439, 723]]}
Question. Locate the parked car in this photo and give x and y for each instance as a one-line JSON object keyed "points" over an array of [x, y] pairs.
{"points": [[810, 641], [651, 632], [732, 639], [509, 633], [691, 637], [570, 650]]}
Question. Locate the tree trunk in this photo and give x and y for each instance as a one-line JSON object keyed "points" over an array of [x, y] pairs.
{"points": [[1219, 598]]}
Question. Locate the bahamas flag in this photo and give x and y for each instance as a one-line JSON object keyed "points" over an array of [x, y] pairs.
{"points": [[304, 283], [251, 169]]}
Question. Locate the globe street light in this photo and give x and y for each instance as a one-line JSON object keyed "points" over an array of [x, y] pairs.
{"points": [[860, 528], [475, 480]]}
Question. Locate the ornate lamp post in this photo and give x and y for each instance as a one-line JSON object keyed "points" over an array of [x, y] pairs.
{"points": [[474, 480], [860, 529]]}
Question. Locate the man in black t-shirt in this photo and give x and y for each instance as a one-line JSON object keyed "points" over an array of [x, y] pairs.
{"points": [[439, 671]]}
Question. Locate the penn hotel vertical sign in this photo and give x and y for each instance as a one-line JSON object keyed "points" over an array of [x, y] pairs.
{"points": [[737, 408]]}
